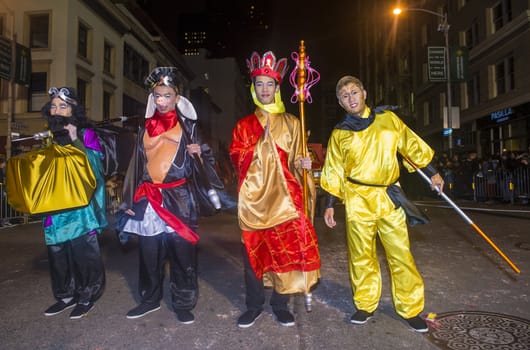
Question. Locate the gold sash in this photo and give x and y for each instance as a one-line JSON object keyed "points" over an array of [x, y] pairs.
{"points": [[264, 199]]}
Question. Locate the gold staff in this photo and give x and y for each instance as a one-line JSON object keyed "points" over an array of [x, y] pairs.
{"points": [[301, 80]]}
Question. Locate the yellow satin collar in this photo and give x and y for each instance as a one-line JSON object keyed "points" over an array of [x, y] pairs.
{"points": [[276, 107]]}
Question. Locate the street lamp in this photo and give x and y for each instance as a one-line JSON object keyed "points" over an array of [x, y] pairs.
{"points": [[442, 27]]}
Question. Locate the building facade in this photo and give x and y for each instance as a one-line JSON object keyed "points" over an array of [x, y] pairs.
{"points": [[490, 82], [103, 48]]}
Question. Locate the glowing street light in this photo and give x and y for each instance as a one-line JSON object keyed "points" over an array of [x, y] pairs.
{"points": [[443, 27]]}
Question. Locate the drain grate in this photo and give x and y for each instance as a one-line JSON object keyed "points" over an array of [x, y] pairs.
{"points": [[477, 330]]}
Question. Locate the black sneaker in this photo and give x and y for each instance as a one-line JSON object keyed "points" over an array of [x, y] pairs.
{"points": [[418, 324], [142, 310], [59, 307], [284, 317], [185, 316], [81, 310], [248, 318], [361, 317]]}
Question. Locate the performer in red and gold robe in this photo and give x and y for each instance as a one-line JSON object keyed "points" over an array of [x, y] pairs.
{"points": [[280, 244]]}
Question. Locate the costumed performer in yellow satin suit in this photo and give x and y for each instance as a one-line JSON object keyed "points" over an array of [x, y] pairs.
{"points": [[280, 243], [361, 167]]}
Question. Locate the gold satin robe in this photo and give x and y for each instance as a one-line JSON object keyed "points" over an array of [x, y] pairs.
{"points": [[267, 208]]}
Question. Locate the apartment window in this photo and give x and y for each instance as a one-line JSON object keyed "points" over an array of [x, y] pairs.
{"points": [[82, 40], [426, 113], [107, 105], [501, 14], [82, 87], [504, 76], [39, 31], [135, 67], [108, 58], [472, 35], [38, 93], [132, 108], [473, 90]]}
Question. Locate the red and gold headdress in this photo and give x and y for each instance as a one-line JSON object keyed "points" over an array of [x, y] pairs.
{"points": [[267, 65]]}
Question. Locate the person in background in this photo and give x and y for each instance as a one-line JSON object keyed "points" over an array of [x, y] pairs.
{"points": [[280, 243], [362, 169], [76, 267]]}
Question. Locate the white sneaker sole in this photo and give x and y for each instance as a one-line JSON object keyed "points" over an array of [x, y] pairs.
{"points": [[58, 312], [250, 324]]}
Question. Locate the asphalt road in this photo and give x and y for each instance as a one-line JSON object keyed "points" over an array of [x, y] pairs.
{"points": [[461, 272]]}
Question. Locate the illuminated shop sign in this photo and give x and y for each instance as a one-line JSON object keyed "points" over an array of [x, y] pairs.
{"points": [[501, 115]]}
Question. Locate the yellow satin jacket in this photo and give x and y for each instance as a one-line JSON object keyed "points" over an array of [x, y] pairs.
{"points": [[369, 156]]}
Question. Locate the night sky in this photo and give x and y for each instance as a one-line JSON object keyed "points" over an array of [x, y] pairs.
{"points": [[327, 28]]}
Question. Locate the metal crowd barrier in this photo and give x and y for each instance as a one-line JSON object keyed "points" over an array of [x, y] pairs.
{"points": [[502, 185], [8, 215]]}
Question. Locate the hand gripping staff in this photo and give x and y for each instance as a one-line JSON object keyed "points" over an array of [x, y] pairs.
{"points": [[465, 217], [212, 193], [302, 78]]}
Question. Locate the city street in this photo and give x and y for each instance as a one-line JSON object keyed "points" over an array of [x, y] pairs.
{"points": [[465, 279]]}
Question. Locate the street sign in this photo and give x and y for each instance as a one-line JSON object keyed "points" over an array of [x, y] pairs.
{"points": [[436, 61], [459, 64], [5, 58]]}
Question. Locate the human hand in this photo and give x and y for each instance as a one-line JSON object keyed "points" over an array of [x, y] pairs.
{"points": [[329, 219], [129, 212], [72, 131], [194, 149], [437, 182], [305, 163]]}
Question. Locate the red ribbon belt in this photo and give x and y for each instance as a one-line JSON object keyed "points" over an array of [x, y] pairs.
{"points": [[154, 196]]}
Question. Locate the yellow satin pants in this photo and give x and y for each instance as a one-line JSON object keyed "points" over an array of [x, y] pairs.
{"points": [[365, 273]]}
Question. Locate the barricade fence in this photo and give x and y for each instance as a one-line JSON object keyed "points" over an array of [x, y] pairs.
{"points": [[502, 185], [8, 215]]}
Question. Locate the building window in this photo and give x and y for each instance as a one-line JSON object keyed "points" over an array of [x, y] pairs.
{"points": [[426, 113], [38, 93], [108, 58], [473, 90], [504, 76], [135, 67], [472, 35], [132, 108], [83, 40], [39, 31], [501, 14], [82, 86], [107, 105]]}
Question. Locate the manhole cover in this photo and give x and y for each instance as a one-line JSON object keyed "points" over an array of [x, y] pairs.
{"points": [[468, 330]]}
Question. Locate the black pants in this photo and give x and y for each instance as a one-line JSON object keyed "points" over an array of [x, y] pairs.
{"points": [[76, 269], [182, 257], [255, 291]]}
